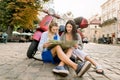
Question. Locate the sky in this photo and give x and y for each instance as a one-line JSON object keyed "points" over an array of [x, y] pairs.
{"points": [[85, 8]]}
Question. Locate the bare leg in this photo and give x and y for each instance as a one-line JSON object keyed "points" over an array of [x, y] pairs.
{"points": [[99, 70], [68, 54], [91, 60], [63, 57], [80, 69]]}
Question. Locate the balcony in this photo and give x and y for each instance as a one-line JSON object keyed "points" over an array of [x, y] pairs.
{"points": [[109, 21]]}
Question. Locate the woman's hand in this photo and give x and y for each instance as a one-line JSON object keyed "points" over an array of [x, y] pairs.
{"points": [[76, 46], [45, 45]]}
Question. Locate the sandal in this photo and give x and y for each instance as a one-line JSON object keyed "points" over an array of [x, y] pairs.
{"points": [[99, 70]]}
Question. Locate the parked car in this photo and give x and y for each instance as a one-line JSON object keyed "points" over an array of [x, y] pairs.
{"points": [[21, 37], [105, 40], [85, 40]]}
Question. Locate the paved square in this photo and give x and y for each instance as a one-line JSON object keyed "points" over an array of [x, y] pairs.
{"points": [[14, 65]]}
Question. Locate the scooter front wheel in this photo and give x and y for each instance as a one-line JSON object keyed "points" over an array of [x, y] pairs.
{"points": [[32, 49]]}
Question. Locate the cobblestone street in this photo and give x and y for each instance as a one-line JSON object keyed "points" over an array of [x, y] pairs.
{"points": [[14, 65]]}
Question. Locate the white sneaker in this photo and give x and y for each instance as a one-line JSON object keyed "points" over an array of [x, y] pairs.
{"points": [[38, 56]]}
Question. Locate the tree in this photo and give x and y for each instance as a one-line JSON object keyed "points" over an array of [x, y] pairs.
{"points": [[3, 15], [19, 13]]}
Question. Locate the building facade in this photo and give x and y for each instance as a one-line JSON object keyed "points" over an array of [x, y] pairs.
{"points": [[93, 31], [110, 19]]}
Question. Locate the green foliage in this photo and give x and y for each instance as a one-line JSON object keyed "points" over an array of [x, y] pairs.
{"points": [[22, 13], [3, 12], [19, 13]]}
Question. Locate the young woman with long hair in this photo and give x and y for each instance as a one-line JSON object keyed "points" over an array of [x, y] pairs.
{"points": [[70, 34]]}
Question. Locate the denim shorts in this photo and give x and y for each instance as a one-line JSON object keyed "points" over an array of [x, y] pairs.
{"points": [[48, 58], [80, 53]]}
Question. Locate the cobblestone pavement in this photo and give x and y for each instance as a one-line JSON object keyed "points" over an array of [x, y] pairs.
{"points": [[14, 65]]}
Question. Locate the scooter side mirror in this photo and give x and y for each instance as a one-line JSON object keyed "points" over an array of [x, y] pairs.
{"points": [[81, 22], [51, 11]]}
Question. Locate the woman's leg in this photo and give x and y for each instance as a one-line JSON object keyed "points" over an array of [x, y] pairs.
{"points": [[68, 54], [80, 69], [83, 56], [80, 54], [87, 58], [63, 57], [98, 67], [62, 69]]}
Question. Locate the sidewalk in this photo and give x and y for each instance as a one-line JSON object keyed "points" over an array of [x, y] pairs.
{"points": [[14, 65]]}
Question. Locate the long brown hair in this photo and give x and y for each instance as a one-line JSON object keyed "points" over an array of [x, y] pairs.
{"points": [[74, 29]]}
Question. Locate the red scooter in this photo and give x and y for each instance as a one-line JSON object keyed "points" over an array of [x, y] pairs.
{"points": [[43, 26], [80, 22]]}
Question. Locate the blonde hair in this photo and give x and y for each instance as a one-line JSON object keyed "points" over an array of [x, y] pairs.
{"points": [[50, 36], [52, 24]]}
